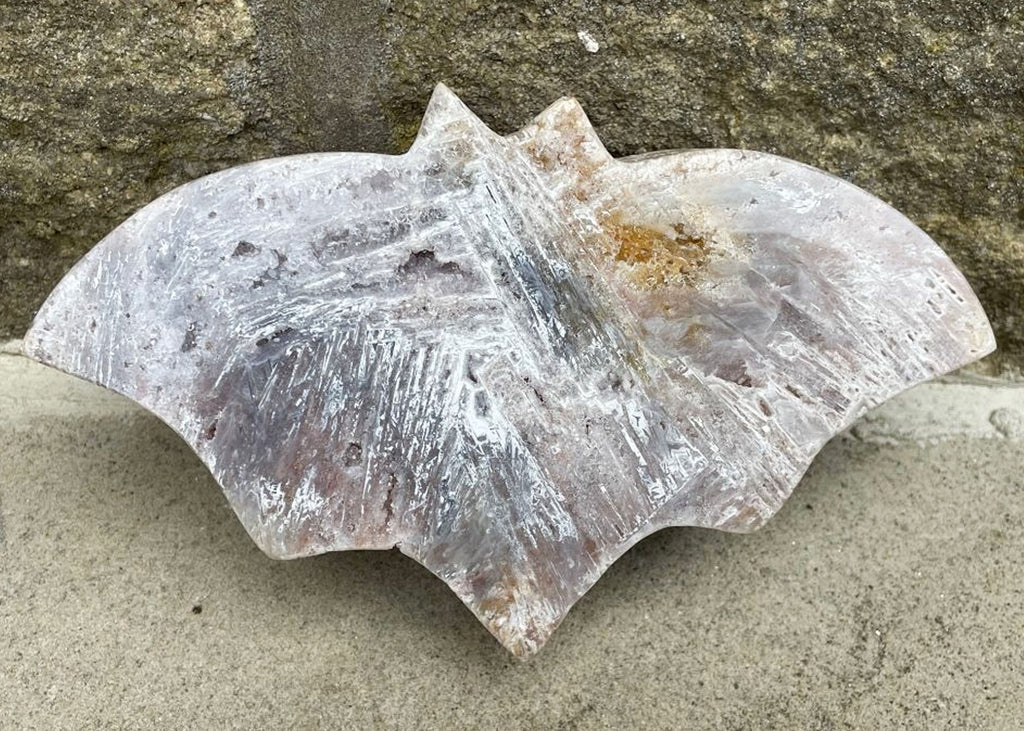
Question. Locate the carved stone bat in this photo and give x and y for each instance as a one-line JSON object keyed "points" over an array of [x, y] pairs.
{"points": [[511, 357]]}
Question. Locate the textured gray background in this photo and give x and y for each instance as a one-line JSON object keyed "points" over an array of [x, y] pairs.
{"points": [[105, 105]]}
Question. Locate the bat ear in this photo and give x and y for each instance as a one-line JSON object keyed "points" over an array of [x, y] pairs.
{"points": [[565, 115], [560, 132], [447, 115]]}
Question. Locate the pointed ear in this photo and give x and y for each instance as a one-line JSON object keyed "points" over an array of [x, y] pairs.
{"points": [[565, 113], [563, 135], [446, 113]]}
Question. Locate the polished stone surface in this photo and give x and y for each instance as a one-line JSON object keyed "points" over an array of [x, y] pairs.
{"points": [[510, 357]]}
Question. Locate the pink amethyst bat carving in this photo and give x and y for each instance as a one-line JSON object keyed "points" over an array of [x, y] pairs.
{"points": [[511, 357]]}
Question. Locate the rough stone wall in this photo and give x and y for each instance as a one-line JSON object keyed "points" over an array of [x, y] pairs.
{"points": [[104, 105]]}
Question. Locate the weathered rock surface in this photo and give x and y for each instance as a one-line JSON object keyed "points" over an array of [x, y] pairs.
{"points": [[510, 357]]}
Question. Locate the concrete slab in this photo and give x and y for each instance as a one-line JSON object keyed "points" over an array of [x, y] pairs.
{"points": [[889, 592]]}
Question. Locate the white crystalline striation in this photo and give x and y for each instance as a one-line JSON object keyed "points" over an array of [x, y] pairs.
{"points": [[511, 357]]}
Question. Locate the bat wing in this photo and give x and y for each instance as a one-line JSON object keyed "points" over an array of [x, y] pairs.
{"points": [[510, 357]]}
